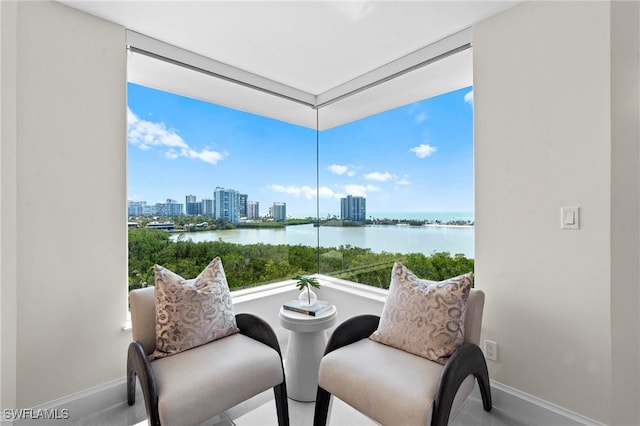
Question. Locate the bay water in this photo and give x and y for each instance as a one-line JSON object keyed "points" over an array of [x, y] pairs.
{"points": [[379, 238]]}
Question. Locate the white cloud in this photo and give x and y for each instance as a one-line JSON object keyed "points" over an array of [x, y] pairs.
{"points": [[304, 191], [206, 155], [171, 154], [380, 177], [417, 112], [148, 134], [423, 150], [339, 169], [404, 181], [325, 192], [421, 116], [360, 190], [468, 98]]}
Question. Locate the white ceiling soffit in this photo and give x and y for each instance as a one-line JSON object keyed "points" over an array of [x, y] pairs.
{"points": [[162, 75], [435, 69], [446, 75]]}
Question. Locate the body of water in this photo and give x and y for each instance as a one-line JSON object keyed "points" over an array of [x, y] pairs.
{"points": [[378, 238]]}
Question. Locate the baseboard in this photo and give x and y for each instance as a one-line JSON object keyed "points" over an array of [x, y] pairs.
{"points": [[531, 410], [81, 404]]}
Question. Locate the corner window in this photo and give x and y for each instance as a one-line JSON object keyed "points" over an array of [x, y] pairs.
{"points": [[274, 199]]}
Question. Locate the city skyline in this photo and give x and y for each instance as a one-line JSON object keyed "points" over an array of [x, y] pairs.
{"points": [[416, 158]]}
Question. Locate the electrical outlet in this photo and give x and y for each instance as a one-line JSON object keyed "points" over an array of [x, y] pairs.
{"points": [[491, 350]]}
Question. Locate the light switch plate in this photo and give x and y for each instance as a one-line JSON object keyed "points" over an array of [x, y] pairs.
{"points": [[570, 217]]}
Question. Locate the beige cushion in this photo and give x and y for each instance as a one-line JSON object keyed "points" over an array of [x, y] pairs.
{"points": [[142, 302], [391, 386], [192, 313], [473, 317], [422, 317], [202, 382]]}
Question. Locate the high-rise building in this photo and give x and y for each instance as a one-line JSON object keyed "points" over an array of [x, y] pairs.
{"points": [[170, 208], [207, 207], [226, 204], [279, 211], [253, 210], [136, 208], [353, 208], [192, 207], [243, 205]]}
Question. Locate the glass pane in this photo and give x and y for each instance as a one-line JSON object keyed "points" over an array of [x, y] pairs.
{"points": [[205, 180], [399, 186]]}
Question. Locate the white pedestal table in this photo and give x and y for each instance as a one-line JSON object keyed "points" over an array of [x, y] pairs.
{"points": [[306, 346]]}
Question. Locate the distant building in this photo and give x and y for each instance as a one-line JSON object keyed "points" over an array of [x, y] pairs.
{"points": [[207, 207], [226, 204], [353, 208], [170, 208], [167, 226], [243, 205], [148, 210], [136, 208], [192, 208], [279, 211], [253, 210]]}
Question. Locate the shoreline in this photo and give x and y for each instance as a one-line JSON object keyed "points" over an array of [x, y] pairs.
{"points": [[426, 225]]}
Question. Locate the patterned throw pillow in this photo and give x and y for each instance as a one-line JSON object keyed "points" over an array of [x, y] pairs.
{"points": [[425, 318], [190, 314]]}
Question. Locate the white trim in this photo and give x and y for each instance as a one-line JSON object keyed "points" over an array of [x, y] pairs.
{"points": [[89, 401], [252, 293], [530, 409], [362, 290]]}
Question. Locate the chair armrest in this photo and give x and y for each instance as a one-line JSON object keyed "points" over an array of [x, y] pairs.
{"points": [[258, 329], [352, 330], [466, 360], [138, 364]]}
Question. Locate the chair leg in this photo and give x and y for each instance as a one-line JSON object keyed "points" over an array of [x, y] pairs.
{"points": [[323, 398], [485, 390], [131, 386], [282, 404]]}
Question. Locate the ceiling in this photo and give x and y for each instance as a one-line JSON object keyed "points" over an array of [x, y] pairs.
{"points": [[312, 47]]}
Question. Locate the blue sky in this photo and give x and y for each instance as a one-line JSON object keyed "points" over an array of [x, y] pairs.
{"points": [[415, 158]]}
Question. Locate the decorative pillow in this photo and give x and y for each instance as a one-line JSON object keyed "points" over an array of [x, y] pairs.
{"points": [[425, 318], [190, 314]]}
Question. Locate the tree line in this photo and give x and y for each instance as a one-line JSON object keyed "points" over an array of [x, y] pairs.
{"points": [[248, 265]]}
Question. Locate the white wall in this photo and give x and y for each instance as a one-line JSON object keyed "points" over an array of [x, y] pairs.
{"points": [[625, 211], [64, 198], [7, 208], [543, 139]]}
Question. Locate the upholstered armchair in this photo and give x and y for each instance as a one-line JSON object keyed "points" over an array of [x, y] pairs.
{"points": [[197, 384], [394, 387]]}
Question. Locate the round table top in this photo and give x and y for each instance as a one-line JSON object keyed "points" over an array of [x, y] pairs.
{"points": [[304, 323]]}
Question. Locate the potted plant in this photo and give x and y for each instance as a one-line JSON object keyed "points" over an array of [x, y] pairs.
{"points": [[304, 283]]}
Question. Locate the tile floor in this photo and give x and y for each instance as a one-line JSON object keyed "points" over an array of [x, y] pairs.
{"points": [[260, 411]]}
